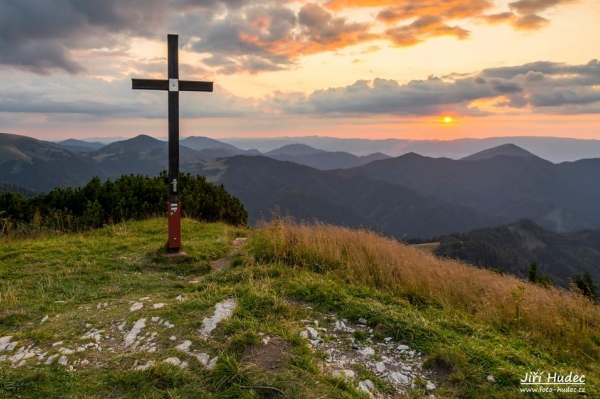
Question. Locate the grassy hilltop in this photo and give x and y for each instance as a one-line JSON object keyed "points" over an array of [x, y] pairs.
{"points": [[474, 333]]}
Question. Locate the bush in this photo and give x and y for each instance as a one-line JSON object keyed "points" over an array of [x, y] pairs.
{"points": [[129, 197]]}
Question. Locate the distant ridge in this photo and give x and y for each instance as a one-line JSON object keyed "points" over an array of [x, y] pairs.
{"points": [[79, 145], [294, 150], [508, 150]]}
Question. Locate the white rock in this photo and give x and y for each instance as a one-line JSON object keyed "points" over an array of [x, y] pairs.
{"points": [[136, 306], [304, 334], [51, 359], [173, 360], [132, 335], [491, 378], [183, 365], [144, 298], [63, 361], [387, 339], [402, 348], [155, 319], [21, 363], [398, 378], [380, 367], [430, 386], [349, 374], [203, 358], [212, 363], [65, 351], [121, 326], [173, 338], [185, 346], [5, 340], [367, 387], [368, 351], [158, 305], [44, 319], [57, 343], [312, 333], [146, 366], [223, 311], [179, 298], [363, 322], [2, 358]]}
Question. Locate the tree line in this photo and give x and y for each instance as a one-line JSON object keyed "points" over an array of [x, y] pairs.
{"points": [[130, 197]]}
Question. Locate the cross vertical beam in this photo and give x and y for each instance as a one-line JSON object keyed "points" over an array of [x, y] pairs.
{"points": [[174, 243], [173, 85]]}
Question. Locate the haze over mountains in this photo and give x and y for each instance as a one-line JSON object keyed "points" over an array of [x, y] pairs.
{"points": [[407, 196]]}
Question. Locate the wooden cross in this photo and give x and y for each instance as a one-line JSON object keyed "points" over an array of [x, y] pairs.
{"points": [[174, 86]]}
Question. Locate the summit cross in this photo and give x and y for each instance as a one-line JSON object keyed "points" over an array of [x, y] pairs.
{"points": [[173, 85]]}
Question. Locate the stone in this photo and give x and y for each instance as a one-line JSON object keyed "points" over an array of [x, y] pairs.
{"points": [[399, 378], [212, 363], [368, 351], [304, 334], [380, 367], [430, 386], [223, 311], [388, 339], [132, 335], [5, 340], [50, 359], [491, 379], [402, 348], [63, 361], [173, 360], [146, 366], [44, 319], [203, 358], [144, 298], [185, 346], [57, 343], [155, 319], [363, 322], [136, 306], [179, 298], [158, 305], [65, 351], [173, 338], [11, 346], [312, 333], [367, 386], [349, 374]]}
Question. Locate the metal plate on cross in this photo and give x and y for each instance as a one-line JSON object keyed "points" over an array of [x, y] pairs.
{"points": [[173, 84]]}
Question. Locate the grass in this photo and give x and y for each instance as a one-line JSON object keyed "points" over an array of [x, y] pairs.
{"points": [[462, 318]]}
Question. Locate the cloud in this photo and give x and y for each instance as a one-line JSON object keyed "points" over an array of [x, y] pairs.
{"points": [[39, 36], [271, 38], [541, 87], [422, 29], [237, 36]]}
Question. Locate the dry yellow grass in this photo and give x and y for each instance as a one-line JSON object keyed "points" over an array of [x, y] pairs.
{"points": [[363, 257]]}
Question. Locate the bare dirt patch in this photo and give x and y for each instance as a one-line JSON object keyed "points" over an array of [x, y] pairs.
{"points": [[270, 355]]}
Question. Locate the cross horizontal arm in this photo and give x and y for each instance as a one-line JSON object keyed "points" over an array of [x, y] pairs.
{"points": [[149, 84], [186, 85]]}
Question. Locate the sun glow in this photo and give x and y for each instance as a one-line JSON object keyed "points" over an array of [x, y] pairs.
{"points": [[448, 119]]}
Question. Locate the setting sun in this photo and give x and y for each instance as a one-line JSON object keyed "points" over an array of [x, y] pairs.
{"points": [[448, 119]]}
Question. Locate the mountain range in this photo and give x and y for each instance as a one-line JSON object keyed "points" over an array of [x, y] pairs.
{"points": [[513, 247], [554, 149], [407, 196]]}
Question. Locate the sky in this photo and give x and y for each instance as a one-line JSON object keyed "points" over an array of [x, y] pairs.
{"points": [[413, 69]]}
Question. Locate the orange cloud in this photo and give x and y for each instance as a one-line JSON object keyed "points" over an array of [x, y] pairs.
{"points": [[422, 29]]}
